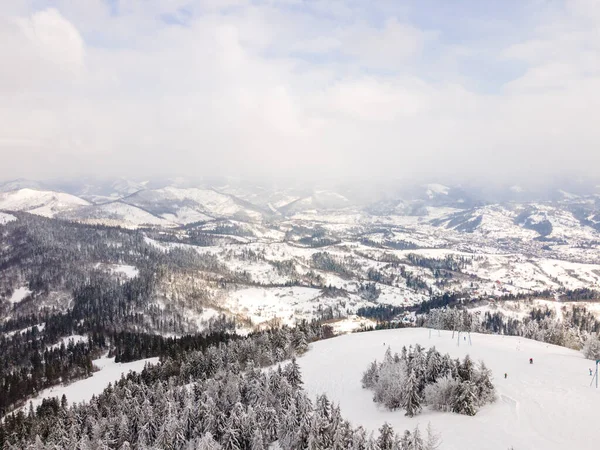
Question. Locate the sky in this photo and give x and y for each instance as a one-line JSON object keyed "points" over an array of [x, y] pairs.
{"points": [[379, 89]]}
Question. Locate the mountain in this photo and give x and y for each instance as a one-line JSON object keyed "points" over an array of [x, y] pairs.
{"points": [[21, 183], [102, 191], [193, 204], [318, 201], [116, 213], [42, 203]]}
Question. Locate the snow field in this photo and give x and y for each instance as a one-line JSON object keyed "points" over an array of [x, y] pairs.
{"points": [[83, 390], [19, 294], [548, 405], [5, 218]]}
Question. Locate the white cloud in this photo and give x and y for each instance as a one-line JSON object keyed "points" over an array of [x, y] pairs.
{"points": [[252, 88], [39, 51]]}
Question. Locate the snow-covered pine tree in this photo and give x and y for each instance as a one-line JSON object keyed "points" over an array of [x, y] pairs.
{"points": [[411, 397], [293, 375], [485, 391], [370, 376], [433, 440], [466, 369], [416, 441], [465, 401], [207, 442], [385, 441]]}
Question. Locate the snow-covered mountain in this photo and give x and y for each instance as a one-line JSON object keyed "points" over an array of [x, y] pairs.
{"points": [[318, 201], [116, 213], [42, 203], [193, 204], [21, 183]]}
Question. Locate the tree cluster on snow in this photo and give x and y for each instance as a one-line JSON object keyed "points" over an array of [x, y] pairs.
{"points": [[417, 378]]}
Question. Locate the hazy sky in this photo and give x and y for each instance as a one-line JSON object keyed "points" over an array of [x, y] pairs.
{"points": [[428, 89]]}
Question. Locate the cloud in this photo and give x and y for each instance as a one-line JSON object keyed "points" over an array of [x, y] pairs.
{"points": [[319, 89], [39, 51]]}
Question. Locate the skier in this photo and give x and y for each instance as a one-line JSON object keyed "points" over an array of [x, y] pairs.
{"points": [[505, 375], [590, 372], [530, 360]]}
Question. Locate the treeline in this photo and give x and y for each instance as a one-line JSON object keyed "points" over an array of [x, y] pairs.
{"points": [[540, 324], [581, 294], [381, 313], [451, 263], [329, 263]]}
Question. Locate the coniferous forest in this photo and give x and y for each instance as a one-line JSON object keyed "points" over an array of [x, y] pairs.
{"points": [[216, 398]]}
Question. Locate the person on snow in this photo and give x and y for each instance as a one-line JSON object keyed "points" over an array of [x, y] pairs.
{"points": [[590, 372], [530, 360], [505, 375]]}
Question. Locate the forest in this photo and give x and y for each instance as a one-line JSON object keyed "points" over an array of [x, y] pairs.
{"points": [[215, 398]]}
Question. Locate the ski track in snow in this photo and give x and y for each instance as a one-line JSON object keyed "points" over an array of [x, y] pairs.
{"points": [[548, 405]]}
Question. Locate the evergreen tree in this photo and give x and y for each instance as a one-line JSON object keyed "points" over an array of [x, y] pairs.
{"points": [[411, 397], [293, 374], [385, 441], [465, 401]]}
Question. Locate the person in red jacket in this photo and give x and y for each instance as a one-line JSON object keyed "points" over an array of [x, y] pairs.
{"points": [[530, 360]]}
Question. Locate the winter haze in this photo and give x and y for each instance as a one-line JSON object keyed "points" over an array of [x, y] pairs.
{"points": [[339, 89]]}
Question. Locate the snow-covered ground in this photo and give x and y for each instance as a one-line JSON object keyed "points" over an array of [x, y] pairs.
{"points": [[5, 218], [19, 294], [548, 405], [42, 203], [262, 305], [83, 390], [75, 338], [350, 324]]}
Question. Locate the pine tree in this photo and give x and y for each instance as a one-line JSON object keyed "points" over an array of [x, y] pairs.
{"points": [[293, 374], [411, 397], [485, 391], [465, 401], [386, 437], [207, 442], [465, 370], [433, 440], [370, 376]]}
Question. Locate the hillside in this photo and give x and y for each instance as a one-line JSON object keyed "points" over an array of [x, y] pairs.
{"points": [[548, 405], [42, 203]]}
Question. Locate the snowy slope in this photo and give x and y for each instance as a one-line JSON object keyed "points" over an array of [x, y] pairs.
{"points": [[318, 201], [42, 203], [548, 405], [116, 214], [5, 218], [83, 390], [191, 205], [19, 294]]}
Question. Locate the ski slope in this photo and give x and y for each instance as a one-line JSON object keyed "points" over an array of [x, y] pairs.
{"points": [[548, 405]]}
